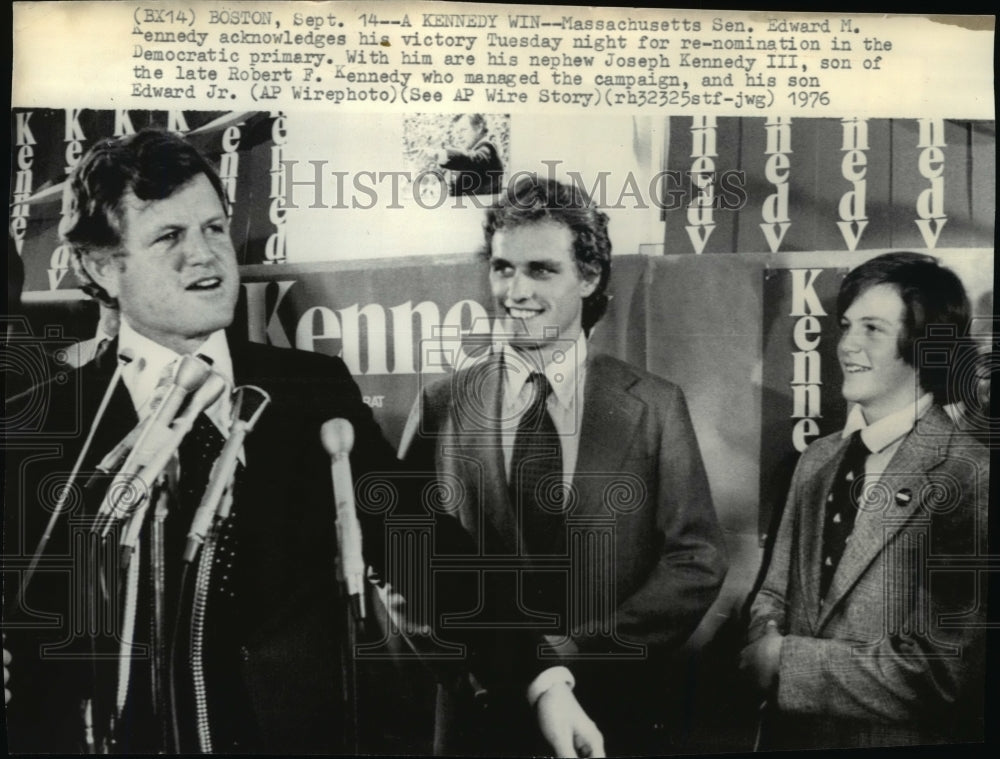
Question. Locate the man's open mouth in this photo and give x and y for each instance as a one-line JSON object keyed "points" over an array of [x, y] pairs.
{"points": [[523, 313], [208, 283]]}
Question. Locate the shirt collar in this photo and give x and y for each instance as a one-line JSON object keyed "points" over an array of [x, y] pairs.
{"points": [[563, 375], [147, 361], [887, 430], [102, 334]]}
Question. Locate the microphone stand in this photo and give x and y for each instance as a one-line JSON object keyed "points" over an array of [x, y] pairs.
{"points": [[158, 571], [249, 403], [337, 436], [349, 676]]}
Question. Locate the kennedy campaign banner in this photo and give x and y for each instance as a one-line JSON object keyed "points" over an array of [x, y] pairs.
{"points": [[47, 143], [800, 381], [789, 184]]}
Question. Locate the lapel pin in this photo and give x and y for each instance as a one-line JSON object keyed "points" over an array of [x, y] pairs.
{"points": [[903, 497]]}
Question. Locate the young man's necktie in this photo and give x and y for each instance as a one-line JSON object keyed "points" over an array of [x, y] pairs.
{"points": [[536, 473], [842, 509]]}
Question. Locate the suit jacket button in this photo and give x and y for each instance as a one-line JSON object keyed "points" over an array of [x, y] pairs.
{"points": [[244, 653]]}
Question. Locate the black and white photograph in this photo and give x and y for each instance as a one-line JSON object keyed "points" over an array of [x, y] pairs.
{"points": [[460, 379]]}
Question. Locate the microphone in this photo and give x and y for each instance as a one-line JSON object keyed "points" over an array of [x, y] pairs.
{"points": [[115, 458], [193, 374], [338, 439], [200, 400], [155, 461], [250, 402], [190, 375]]}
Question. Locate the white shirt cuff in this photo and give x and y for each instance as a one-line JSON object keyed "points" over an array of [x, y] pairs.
{"points": [[546, 679]]}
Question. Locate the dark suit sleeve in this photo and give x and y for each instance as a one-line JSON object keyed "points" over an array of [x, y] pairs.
{"points": [[44, 713], [481, 157]]}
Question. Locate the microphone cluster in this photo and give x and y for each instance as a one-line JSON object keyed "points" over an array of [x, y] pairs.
{"points": [[143, 457], [143, 449]]}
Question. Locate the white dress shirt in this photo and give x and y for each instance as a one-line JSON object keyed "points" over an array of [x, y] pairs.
{"points": [[85, 351], [883, 438], [567, 374], [145, 362]]}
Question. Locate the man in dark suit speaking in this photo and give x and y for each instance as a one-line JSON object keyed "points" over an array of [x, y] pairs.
{"points": [[238, 649], [583, 480], [868, 629], [475, 165]]}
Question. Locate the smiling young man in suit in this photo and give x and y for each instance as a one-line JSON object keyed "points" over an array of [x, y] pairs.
{"points": [[865, 631], [147, 218], [560, 450]]}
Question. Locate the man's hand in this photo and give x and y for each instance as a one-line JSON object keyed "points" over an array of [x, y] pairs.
{"points": [[761, 659], [566, 725], [436, 156]]}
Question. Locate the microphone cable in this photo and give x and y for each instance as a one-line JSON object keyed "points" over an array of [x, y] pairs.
{"points": [[172, 666]]}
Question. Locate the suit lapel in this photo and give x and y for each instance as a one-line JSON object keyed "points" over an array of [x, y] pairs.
{"points": [[119, 416], [610, 416], [890, 504], [610, 419]]}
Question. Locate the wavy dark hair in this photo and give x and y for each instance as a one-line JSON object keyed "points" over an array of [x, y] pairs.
{"points": [[531, 199], [933, 296], [152, 164]]}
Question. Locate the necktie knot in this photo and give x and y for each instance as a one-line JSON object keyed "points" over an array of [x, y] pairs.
{"points": [[855, 456], [857, 444], [541, 385]]}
